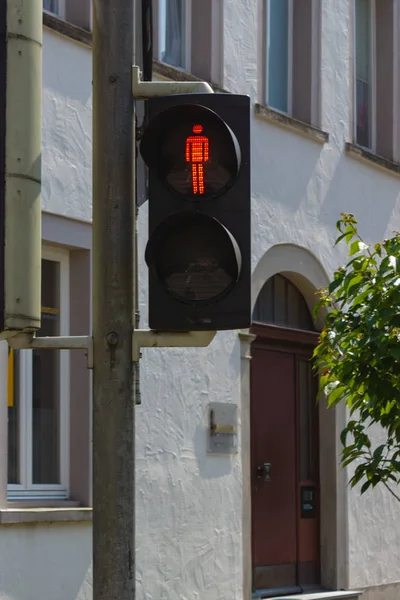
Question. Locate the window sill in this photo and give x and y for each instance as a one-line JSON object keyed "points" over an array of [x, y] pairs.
{"points": [[277, 118], [67, 29], [14, 516], [173, 73], [374, 160]]}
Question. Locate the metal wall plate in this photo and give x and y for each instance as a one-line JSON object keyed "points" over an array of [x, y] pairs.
{"points": [[222, 428]]}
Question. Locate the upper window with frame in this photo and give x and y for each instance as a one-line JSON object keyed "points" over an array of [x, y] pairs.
{"points": [[75, 12], [173, 35], [188, 35], [54, 7], [38, 397], [291, 57], [374, 81]]}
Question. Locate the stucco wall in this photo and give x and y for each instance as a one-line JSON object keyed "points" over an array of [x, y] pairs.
{"points": [[299, 189], [179, 488], [67, 128]]}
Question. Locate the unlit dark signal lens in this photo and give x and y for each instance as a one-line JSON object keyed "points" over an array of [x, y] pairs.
{"points": [[198, 260]]}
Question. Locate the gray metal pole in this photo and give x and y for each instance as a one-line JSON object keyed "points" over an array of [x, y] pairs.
{"points": [[113, 293]]}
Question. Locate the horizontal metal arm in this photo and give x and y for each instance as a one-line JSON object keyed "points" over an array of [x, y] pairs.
{"points": [[142, 338], [148, 338], [25, 341], [142, 90]]}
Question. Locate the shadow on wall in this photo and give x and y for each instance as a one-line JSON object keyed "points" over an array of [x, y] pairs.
{"points": [[371, 195]]}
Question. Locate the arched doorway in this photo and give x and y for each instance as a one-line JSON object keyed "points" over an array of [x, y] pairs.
{"points": [[284, 443]]}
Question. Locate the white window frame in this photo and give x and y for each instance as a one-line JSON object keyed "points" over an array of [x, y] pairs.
{"points": [[61, 10], [26, 490], [290, 56], [372, 98], [188, 34]]}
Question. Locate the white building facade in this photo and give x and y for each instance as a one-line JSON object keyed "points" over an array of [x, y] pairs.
{"points": [[324, 81]]}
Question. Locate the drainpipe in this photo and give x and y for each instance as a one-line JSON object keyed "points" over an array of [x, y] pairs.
{"points": [[20, 175], [20, 171]]}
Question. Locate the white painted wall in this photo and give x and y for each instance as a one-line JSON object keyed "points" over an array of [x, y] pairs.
{"points": [[299, 189], [44, 562], [67, 127]]}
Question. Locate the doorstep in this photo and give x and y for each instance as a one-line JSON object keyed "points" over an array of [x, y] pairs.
{"points": [[325, 595]]}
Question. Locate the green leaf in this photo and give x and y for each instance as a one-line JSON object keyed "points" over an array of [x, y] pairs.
{"points": [[350, 232], [377, 455], [365, 486], [395, 351], [336, 394], [357, 246]]}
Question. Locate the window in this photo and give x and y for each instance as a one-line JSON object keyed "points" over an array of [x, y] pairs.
{"points": [[291, 57], [75, 12], [374, 111], [364, 59], [38, 397], [187, 34], [281, 303], [279, 39], [55, 7], [173, 32]]}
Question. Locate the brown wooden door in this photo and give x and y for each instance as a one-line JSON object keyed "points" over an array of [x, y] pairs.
{"points": [[285, 511]]}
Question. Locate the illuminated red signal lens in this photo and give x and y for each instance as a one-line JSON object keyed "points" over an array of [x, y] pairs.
{"points": [[197, 153]]}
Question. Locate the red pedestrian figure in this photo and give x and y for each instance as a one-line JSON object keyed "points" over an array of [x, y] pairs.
{"points": [[197, 153]]}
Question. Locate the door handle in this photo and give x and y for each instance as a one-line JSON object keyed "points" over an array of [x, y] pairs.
{"points": [[264, 471]]}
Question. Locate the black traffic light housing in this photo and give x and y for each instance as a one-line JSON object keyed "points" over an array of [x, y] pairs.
{"points": [[197, 149]]}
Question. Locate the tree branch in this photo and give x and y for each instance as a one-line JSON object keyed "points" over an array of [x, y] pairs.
{"points": [[391, 491]]}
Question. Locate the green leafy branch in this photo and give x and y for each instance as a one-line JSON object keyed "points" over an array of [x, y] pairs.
{"points": [[358, 355]]}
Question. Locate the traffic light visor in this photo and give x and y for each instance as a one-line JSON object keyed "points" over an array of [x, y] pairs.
{"points": [[196, 258]]}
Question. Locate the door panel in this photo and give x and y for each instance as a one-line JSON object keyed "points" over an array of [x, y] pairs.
{"points": [[273, 426], [308, 518], [284, 432]]}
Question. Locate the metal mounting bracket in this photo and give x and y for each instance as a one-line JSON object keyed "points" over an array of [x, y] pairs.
{"points": [[142, 90], [149, 338], [26, 341]]}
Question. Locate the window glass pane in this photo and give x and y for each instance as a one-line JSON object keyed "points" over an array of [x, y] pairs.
{"points": [[172, 32], [295, 305], [45, 384], [264, 308], [281, 303], [278, 53], [280, 300], [52, 6], [13, 417], [363, 71]]}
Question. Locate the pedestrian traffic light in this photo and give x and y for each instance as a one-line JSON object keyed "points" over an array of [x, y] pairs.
{"points": [[197, 149]]}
